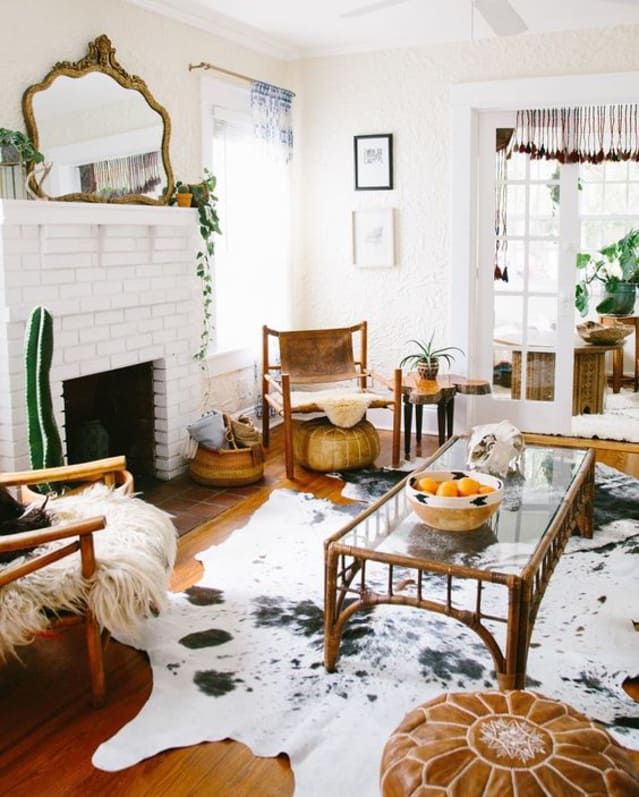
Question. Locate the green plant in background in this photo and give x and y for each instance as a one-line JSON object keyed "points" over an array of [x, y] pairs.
{"points": [[618, 264], [426, 354], [204, 200], [17, 147], [45, 445]]}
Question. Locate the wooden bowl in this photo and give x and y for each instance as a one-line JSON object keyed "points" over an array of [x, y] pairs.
{"points": [[598, 334], [454, 514]]}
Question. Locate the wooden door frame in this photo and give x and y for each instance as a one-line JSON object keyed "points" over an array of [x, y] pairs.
{"points": [[467, 102]]}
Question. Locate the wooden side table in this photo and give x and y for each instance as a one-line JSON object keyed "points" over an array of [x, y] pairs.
{"points": [[618, 379], [441, 391]]}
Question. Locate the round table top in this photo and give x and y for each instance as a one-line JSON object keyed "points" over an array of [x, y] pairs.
{"points": [[444, 387]]}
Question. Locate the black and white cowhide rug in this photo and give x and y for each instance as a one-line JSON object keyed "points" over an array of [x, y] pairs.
{"points": [[240, 655]]}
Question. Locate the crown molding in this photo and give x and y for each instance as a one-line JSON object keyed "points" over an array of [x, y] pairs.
{"points": [[223, 26]]}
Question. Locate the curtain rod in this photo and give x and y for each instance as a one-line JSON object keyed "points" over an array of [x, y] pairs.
{"points": [[238, 75]]}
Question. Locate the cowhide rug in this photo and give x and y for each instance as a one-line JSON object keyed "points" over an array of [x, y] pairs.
{"points": [[240, 655]]}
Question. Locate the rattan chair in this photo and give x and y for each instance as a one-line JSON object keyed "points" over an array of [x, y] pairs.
{"points": [[319, 357], [110, 471]]}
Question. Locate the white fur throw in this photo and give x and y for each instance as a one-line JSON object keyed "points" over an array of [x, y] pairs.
{"points": [[135, 555], [344, 408]]}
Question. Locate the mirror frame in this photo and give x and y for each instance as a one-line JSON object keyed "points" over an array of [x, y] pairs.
{"points": [[99, 58]]}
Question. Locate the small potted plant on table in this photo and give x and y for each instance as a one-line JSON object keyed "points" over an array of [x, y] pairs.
{"points": [[426, 357]]}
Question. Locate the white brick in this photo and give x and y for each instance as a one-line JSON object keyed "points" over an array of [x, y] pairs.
{"points": [[74, 354], [126, 231], [63, 339], [94, 334], [90, 275], [93, 303], [70, 230], [124, 330], [75, 322], [124, 300], [138, 341], [95, 366], [123, 258], [30, 262], [171, 244], [150, 326], [40, 294], [136, 285], [120, 244], [79, 260], [151, 353], [164, 335], [137, 313], [124, 360], [162, 310], [22, 279], [176, 321], [69, 371], [71, 245], [56, 276], [110, 347], [78, 290], [109, 317]]}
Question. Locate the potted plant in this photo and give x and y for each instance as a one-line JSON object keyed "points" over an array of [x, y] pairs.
{"points": [[617, 269], [17, 148], [426, 358], [183, 195], [203, 198]]}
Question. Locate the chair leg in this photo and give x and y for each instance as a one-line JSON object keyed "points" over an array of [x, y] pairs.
{"points": [[397, 417], [289, 453], [96, 659], [266, 418]]}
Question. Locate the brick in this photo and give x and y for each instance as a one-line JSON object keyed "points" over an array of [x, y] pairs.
{"points": [[109, 317], [70, 231], [78, 260], [162, 310], [40, 294], [74, 354], [70, 245], [78, 290], [124, 360], [94, 303], [164, 335], [94, 334], [75, 322], [151, 353], [150, 326], [58, 275], [110, 347], [95, 366], [19, 246], [123, 258], [91, 275]]}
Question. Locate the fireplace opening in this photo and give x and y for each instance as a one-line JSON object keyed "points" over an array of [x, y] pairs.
{"points": [[110, 414]]}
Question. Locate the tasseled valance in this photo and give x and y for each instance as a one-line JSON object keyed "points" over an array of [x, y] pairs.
{"points": [[590, 134]]}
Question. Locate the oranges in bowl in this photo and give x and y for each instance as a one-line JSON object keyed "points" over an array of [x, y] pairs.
{"points": [[454, 500]]}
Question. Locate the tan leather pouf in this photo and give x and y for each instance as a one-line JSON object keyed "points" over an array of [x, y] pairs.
{"points": [[323, 447], [503, 744]]}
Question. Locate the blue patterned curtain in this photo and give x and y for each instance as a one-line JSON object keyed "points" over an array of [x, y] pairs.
{"points": [[271, 108]]}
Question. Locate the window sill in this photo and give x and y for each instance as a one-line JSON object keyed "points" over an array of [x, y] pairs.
{"points": [[225, 362]]}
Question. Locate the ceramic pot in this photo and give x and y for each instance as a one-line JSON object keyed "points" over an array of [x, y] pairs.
{"points": [[184, 200], [428, 369], [622, 295]]}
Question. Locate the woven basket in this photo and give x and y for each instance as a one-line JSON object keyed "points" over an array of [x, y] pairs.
{"points": [[232, 467], [323, 447]]}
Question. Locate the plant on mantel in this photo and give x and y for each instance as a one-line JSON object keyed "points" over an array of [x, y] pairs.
{"points": [[204, 200], [16, 147]]}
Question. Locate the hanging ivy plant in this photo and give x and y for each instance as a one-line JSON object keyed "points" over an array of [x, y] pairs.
{"points": [[203, 198]]}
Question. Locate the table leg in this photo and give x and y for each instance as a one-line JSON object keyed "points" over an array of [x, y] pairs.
{"points": [[408, 426], [419, 415], [617, 370], [441, 422], [332, 637], [450, 417]]}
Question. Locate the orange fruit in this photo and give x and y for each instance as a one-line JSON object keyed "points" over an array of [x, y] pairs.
{"points": [[468, 486], [485, 489], [427, 485], [448, 490]]}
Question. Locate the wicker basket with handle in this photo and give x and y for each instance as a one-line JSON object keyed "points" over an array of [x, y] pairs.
{"points": [[227, 467]]}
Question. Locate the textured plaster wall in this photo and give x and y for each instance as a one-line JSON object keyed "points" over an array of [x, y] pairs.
{"points": [[34, 34], [406, 92]]}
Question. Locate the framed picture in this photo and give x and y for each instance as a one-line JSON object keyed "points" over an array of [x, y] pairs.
{"points": [[374, 162], [374, 238]]}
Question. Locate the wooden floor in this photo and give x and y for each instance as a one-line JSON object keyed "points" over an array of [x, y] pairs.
{"points": [[48, 731]]}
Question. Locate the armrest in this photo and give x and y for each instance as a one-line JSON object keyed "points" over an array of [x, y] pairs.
{"points": [[85, 471], [31, 539], [384, 381]]}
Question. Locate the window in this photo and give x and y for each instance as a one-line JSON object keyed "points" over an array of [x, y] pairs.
{"points": [[251, 269]]}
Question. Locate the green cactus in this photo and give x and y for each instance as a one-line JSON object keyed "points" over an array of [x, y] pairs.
{"points": [[45, 445]]}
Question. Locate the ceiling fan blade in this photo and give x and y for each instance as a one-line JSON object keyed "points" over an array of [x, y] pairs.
{"points": [[501, 17], [369, 9]]}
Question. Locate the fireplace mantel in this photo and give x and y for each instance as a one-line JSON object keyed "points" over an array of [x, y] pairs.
{"points": [[120, 283]]}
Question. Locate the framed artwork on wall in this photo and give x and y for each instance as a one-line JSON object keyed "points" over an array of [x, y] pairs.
{"points": [[374, 238], [374, 162]]}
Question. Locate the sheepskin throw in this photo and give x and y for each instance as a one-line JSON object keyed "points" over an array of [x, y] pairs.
{"points": [[135, 555], [344, 408]]}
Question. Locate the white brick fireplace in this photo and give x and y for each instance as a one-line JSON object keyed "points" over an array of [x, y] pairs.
{"points": [[119, 282]]}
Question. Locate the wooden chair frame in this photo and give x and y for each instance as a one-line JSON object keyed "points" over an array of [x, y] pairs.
{"points": [[276, 383], [110, 471]]}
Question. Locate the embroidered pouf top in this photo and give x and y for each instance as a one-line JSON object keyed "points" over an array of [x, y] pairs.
{"points": [[503, 744]]}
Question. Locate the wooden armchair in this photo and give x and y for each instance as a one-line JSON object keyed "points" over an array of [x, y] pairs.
{"points": [[320, 356], [80, 533]]}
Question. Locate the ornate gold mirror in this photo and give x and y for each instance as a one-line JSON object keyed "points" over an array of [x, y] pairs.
{"points": [[102, 130]]}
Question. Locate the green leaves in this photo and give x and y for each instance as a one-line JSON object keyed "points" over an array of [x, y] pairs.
{"points": [[583, 260], [22, 143], [425, 351], [619, 262], [581, 298]]}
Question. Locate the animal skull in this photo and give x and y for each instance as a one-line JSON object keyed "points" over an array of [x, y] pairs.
{"points": [[495, 448]]}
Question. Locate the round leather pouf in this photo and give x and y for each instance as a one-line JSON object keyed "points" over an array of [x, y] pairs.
{"points": [[323, 447], [503, 744]]}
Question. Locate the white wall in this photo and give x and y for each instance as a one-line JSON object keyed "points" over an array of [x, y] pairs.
{"points": [[406, 92]]}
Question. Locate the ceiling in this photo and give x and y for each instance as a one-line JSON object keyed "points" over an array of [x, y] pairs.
{"points": [[302, 28]]}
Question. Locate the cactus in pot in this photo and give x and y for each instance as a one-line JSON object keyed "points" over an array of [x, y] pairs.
{"points": [[45, 445]]}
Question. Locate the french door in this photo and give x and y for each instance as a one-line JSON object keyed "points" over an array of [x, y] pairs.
{"points": [[523, 316]]}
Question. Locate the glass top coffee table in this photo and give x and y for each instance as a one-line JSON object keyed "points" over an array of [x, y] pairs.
{"points": [[492, 579]]}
